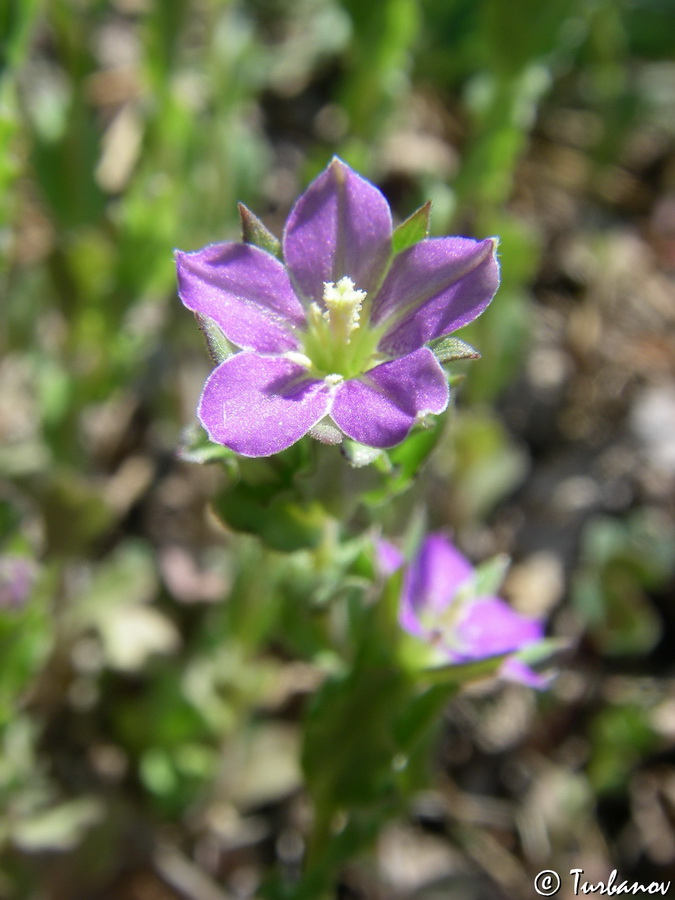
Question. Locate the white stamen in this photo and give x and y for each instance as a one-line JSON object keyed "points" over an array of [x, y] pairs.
{"points": [[343, 306]]}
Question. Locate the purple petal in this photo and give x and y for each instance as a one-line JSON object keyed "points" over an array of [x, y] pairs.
{"points": [[431, 583], [388, 558], [341, 226], [260, 405], [379, 408], [433, 288], [17, 577], [490, 627], [245, 291]]}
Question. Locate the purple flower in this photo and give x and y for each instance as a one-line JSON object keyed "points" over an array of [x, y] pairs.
{"points": [[441, 605], [17, 577], [340, 329]]}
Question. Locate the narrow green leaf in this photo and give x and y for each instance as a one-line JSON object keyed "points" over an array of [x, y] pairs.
{"points": [[447, 349], [421, 713], [254, 232], [413, 230], [360, 758], [16, 26], [219, 346]]}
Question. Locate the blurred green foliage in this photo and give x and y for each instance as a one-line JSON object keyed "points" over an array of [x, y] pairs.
{"points": [[621, 562]]}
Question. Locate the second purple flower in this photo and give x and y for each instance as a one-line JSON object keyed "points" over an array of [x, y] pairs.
{"points": [[443, 607], [340, 329]]}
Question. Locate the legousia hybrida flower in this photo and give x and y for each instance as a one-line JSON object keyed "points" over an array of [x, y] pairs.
{"points": [[443, 605], [339, 328]]}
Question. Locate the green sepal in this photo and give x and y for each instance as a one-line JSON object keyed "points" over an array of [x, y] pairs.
{"points": [[359, 455], [413, 230], [537, 656], [543, 653], [454, 381], [195, 447], [254, 232], [488, 576], [218, 345], [447, 349], [463, 673]]}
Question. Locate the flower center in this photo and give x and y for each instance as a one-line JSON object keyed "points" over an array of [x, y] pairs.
{"points": [[343, 307], [338, 341], [442, 623]]}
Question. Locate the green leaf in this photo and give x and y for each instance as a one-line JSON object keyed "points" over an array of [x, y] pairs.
{"points": [[413, 230], [349, 739], [254, 232], [410, 454], [281, 522], [400, 465], [219, 346], [420, 714], [621, 736], [447, 349], [622, 562], [16, 24]]}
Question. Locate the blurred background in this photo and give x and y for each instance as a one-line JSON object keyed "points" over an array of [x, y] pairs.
{"points": [[145, 755]]}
